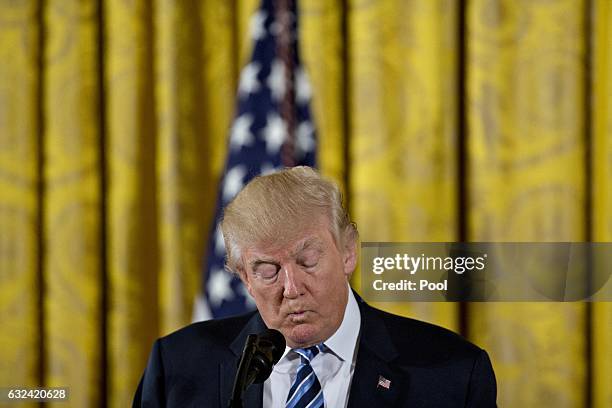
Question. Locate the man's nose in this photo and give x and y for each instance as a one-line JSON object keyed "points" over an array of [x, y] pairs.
{"points": [[294, 284]]}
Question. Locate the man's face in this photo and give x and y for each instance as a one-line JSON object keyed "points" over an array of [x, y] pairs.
{"points": [[300, 286]]}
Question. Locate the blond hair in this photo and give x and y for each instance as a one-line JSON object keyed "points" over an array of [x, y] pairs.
{"points": [[271, 209]]}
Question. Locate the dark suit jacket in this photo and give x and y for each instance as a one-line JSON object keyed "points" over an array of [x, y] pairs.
{"points": [[428, 366]]}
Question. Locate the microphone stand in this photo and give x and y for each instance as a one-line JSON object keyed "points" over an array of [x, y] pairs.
{"points": [[242, 378]]}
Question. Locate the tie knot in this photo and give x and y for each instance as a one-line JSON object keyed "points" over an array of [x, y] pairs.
{"points": [[309, 353]]}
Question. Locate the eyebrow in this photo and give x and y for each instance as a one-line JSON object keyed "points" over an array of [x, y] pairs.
{"points": [[314, 243]]}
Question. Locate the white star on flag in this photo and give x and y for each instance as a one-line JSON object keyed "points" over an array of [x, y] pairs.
{"points": [[274, 133], [241, 132], [233, 182], [257, 26], [303, 91], [248, 79], [267, 168], [219, 242], [276, 80], [219, 285], [304, 137]]}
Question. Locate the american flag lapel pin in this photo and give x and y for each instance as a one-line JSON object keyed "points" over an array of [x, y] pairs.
{"points": [[383, 382]]}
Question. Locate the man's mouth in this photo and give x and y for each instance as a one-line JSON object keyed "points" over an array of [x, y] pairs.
{"points": [[298, 315]]}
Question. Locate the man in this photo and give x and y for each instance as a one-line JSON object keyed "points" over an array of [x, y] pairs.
{"points": [[292, 243]]}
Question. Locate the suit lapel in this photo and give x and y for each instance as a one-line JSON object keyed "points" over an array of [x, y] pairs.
{"points": [[377, 381], [253, 397]]}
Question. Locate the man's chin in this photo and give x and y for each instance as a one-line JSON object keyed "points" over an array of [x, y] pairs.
{"points": [[302, 335]]}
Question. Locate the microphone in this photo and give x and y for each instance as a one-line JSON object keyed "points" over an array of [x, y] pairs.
{"points": [[261, 352]]}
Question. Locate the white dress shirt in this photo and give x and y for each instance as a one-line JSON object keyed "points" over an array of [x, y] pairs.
{"points": [[334, 368]]}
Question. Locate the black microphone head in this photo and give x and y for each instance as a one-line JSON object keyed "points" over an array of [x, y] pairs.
{"points": [[269, 348], [275, 341]]}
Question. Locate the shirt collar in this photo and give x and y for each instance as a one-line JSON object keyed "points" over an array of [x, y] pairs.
{"points": [[342, 342]]}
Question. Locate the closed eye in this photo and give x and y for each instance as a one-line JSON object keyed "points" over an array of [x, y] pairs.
{"points": [[309, 262], [309, 257], [266, 271]]}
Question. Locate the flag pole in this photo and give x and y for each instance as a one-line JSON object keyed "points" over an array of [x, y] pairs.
{"points": [[285, 19]]}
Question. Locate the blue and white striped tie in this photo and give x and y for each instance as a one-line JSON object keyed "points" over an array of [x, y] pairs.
{"points": [[306, 390]]}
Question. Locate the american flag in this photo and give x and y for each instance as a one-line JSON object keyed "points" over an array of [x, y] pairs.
{"points": [[383, 382], [272, 129]]}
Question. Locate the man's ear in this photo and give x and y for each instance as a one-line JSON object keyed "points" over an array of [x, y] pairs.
{"points": [[349, 257]]}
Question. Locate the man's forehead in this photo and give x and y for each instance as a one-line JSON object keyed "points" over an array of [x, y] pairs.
{"points": [[283, 247]]}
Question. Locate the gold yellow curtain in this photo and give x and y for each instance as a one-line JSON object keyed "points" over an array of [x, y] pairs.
{"points": [[442, 119]]}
